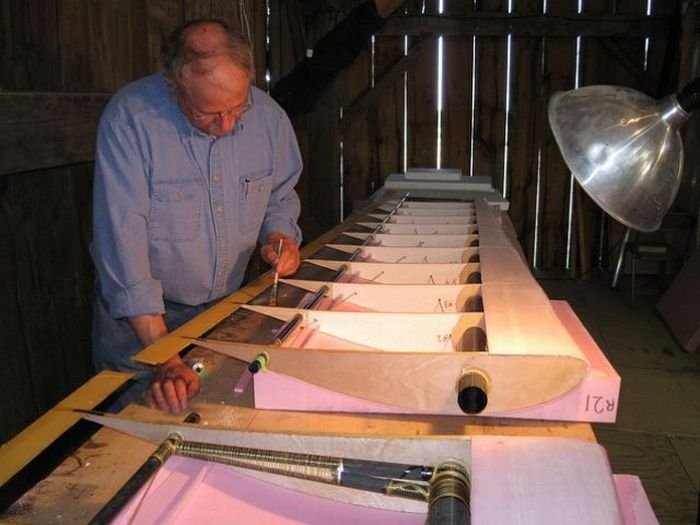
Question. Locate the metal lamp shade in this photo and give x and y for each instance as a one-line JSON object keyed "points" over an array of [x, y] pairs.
{"points": [[624, 149]]}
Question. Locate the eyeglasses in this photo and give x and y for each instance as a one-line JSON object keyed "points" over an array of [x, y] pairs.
{"points": [[235, 113]]}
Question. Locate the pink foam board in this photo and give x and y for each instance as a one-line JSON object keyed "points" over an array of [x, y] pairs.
{"points": [[514, 480]]}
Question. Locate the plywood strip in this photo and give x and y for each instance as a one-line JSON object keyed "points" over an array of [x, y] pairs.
{"points": [[19, 451]]}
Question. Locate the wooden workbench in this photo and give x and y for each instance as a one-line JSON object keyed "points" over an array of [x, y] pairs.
{"points": [[76, 490]]}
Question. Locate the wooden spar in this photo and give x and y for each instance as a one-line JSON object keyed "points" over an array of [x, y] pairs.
{"points": [[386, 273], [427, 219], [407, 240], [431, 205], [419, 381], [403, 255], [422, 229], [436, 212], [413, 451], [395, 297]]}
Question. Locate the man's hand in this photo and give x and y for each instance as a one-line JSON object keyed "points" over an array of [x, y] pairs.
{"points": [[288, 262], [173, 385]]}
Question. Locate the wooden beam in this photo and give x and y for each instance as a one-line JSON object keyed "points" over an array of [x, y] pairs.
{"points": [[497, 24], [368, 98], [621, 57], [44, 130]]}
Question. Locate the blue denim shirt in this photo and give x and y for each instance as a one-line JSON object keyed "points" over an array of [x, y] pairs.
{"points": [[176, 212]]}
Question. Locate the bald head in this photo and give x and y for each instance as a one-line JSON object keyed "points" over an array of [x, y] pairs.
{"points": [[199, 46]]}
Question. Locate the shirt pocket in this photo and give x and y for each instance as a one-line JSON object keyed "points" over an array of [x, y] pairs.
{"points": [[253, 197], [176, 211]]}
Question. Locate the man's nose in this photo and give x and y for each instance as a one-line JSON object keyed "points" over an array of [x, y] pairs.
{"points": [[226, 122]]}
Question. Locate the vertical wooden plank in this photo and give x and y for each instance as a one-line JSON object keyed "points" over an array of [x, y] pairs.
{"points": [[663, 50], [47, 307], [323, 162], [285, 50], [257, 18], [490, 115], [597, 68], [194, 9], [528, 114], [422, 114], [421, 102], [29, 45], [162, 17], [359, 140], [559, 72], [16, 354], [98, 52], [457, 79], [689, 194], [633, 48], [389, 122]]}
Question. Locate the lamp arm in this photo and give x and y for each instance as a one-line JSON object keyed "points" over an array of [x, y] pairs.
{"points": [[689, 96]]}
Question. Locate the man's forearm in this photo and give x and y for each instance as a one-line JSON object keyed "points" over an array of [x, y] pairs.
{"points": [[148, 328]]}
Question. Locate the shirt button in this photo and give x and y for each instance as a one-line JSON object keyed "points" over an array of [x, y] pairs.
{"points": [[216, 178], [219, 209]]}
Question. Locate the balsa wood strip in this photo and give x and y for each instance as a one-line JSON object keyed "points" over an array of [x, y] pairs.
{"points": [[504, 264], [520, 320]]}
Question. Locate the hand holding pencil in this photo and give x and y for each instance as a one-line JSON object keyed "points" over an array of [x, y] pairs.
{"points": [[282, 253]]}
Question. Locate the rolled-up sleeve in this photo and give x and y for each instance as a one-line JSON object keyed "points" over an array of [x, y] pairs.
{"points": [[284, 206], [120, 224]]}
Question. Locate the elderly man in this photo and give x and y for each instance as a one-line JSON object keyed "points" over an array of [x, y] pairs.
{"points": [[193, 167]]}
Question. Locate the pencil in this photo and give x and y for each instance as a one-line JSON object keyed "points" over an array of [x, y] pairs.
{"points": [[273, 294]]}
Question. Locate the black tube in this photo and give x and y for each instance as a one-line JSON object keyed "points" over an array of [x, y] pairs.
{"points": [[315, 298], [340, 271], [449, 502], [137, 480], [689, 97], [387, 470], [286, 329]]}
